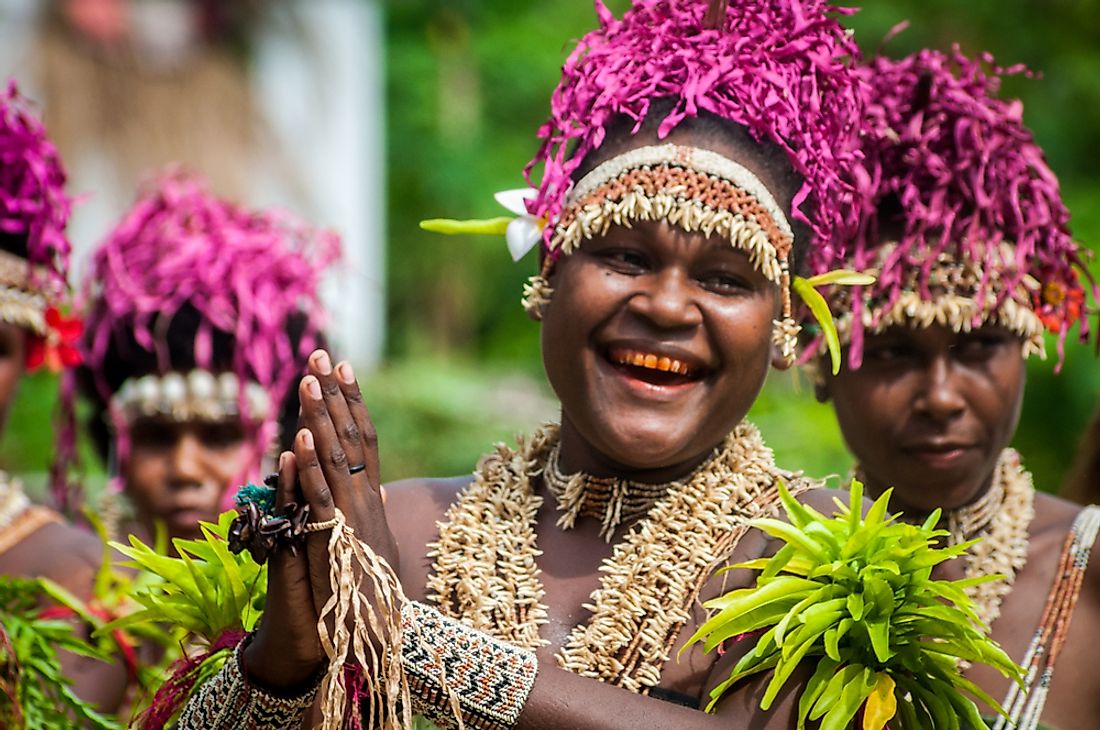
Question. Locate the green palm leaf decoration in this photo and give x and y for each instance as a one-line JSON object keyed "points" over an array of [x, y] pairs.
{"points": [[855, 593], [208, 595], [33, 691]]}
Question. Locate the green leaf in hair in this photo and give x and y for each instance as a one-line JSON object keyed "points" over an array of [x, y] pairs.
{"points": [[480, 227]]}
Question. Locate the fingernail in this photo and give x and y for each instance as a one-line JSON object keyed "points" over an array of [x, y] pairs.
{"points": [[313, 386], [322, 363], [282, 461], [345, 372], [307, 438]]}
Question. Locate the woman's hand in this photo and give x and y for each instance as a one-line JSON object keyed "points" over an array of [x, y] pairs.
{"points": [[337, 457], [285, 652]]}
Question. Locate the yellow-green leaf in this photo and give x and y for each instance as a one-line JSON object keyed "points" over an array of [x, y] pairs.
{"points": [[820, 309], [476, 227]]}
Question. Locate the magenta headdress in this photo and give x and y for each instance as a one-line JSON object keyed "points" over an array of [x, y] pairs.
{"points": [[34, 210], [244, 275], [779, 69], [33, 202], [965, 222], [783, 71]]}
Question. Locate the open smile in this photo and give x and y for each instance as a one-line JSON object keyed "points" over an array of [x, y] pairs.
{"points": [[657, 368]]}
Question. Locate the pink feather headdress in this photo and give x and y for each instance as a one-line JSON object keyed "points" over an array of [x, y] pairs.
{"points": [[33, 201], [245, 273], [977, 208], [781, 70]]}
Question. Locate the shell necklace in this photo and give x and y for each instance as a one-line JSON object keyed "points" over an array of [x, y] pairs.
{"points": [[485, 568]]}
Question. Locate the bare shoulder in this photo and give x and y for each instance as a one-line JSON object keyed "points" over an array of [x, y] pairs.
{"points": [[61, 552], [414, 508]]}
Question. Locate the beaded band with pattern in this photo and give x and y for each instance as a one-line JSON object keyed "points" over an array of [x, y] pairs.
{"points": [[446, 662], [227, 701], [1024, 704]]}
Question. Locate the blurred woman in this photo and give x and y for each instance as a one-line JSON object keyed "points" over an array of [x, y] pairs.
{"points": [[34, 260], [967, 235], [200, 316]]}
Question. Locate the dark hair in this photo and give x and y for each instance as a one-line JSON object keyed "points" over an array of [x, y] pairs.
{"points": [[15, 243], [125, 358], [767, 156]]}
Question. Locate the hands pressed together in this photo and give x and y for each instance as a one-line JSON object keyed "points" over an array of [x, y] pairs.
{"points": [[333, 465]]}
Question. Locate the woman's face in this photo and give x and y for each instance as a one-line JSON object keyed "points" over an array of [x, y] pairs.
{"points": [[930, 411], [177, 472], [657, 342], [12, 356]]}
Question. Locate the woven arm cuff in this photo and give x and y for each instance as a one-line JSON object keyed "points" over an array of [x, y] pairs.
{"points": [[227, 701], [452, 668]]}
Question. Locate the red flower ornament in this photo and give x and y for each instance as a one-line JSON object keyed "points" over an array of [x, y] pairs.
{"points": [[58, 348]]}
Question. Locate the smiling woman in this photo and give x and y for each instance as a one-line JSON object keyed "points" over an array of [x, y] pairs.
{"points": [[692, 146], [972, 267]]}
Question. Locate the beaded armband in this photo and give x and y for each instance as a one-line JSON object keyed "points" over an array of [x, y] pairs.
{"points": [[447, 662], [227, 701]]}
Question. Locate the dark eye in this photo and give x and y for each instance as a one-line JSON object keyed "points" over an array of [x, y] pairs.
{"points": [[154, 434], [220, 434], [725, 283], [888, 352], [623, 260], [981, 345]]}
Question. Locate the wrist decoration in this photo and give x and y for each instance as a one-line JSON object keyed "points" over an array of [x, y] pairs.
{"points": [[228, 700], [260, 530], [448, 663]]}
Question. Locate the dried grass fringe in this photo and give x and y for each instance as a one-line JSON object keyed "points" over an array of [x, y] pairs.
{"points": [[385, 686]]}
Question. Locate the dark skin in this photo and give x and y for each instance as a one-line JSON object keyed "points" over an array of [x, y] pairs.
{"points": [[653, 290], [928, 412], [178, 472], [65, 554]]}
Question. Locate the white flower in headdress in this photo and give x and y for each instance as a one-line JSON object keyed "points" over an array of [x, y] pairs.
{"points": [[522, 232], [525, 231]]}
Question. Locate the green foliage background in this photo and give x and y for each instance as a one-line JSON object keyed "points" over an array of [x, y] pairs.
{"points": [[468, 83]]}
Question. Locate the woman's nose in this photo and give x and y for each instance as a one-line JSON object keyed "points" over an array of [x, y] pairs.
{"points": [[667, 298], [941, 397]]}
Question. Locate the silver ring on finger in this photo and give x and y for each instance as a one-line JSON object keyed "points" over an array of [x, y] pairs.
{"points": [[356, 468]]}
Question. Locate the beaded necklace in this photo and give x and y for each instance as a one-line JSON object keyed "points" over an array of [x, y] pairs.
{"points": [[485, 568]]}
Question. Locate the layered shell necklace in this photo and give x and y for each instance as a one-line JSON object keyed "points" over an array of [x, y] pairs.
{"points": [[485, 569], [1001, 518]]}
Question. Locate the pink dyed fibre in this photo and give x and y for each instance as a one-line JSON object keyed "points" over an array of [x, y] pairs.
{"points": [[245, 272], [968, 175], [33, 201], [781, 70]]}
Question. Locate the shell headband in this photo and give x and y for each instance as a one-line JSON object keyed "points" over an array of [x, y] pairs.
{"points": [[197, 396]]}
